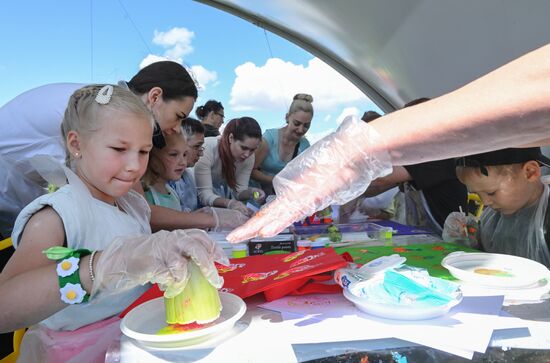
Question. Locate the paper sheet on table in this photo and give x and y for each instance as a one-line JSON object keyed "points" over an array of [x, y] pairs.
{"points": [[466, 328], [307, 330]]}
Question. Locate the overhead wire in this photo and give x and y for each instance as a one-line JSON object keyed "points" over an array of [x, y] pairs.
{"points": [[135, 26], [278, 79]]}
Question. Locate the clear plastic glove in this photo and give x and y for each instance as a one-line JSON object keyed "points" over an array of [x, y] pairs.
{"points": [[239, 206], [226, 219], [461, 228], [256, 194], [335, 170], [157, 258], [345, 211]]}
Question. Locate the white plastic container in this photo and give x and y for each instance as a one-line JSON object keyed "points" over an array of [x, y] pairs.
{"points": [[320, 242], [239, 250]]}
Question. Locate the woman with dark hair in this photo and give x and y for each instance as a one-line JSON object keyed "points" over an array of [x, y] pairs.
{"points": [[223, 172], [169, 91], [31, 126], [211, 115]]}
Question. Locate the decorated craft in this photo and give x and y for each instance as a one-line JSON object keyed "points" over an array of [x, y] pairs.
{"points": [[198, 303], [182, 328], [492, 272]]}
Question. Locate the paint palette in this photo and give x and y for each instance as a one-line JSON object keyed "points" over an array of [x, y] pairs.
{"points": [[495, 270], [144, 321]]}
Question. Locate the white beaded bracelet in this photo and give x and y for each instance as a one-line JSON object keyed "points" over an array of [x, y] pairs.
{"points": [[91, 266]]}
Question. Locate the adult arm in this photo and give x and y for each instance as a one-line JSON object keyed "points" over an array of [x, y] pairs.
{"points": [[203, 179], [378, 186], [509, 107], [260, 155], [242, 175], [163, 218]]}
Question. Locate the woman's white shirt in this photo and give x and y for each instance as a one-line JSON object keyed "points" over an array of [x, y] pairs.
{"points": [[208, 174]]}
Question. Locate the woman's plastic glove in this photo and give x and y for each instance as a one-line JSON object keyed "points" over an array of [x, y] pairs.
{"points": [[226, 219], [461, 228], [335, 170], [256, 194], [239, 206], [157, 258]]}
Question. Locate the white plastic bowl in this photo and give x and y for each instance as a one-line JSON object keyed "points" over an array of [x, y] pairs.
{"points": [[495, 270], [144, 321], [395, 311]]}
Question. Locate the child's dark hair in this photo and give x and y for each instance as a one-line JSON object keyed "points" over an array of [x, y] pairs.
{"points": [[370, 116], [209, 106], [192, 126], [416, 102], [240, 128], [171, 77], [502, 160]]}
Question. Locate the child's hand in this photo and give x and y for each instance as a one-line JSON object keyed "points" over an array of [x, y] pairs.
{"points": [[239, 206], [258, 195], [460, 228], [226, 219], [158, 258]]}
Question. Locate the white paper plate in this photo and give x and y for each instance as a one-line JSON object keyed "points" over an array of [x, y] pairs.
{"points": [[398, 312], [143, 322], [495, 270]]}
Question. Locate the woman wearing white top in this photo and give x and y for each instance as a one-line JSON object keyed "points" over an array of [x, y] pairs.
{"points": [[223, 172]]}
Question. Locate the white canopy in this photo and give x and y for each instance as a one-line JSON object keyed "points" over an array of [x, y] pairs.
{"points": [[399, 50]]}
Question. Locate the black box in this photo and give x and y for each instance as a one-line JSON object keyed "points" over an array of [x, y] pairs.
{"points": [[284, 243]]}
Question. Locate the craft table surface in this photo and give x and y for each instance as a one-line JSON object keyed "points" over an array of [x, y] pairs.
{"points": [[251, 340]]}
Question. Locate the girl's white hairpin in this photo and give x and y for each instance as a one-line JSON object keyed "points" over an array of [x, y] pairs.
{"points": [[104, 95]]}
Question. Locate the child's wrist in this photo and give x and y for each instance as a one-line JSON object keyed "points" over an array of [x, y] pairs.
{"points": [[86, 273], [73, 274]]}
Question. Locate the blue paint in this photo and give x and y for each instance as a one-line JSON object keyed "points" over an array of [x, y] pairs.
{"points": [[398, 358]]}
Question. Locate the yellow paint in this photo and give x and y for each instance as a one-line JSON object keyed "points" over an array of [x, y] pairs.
{"points": [[66, 265]]}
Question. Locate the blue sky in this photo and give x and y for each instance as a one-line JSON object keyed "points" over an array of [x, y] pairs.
{"points": [[252, 72]]}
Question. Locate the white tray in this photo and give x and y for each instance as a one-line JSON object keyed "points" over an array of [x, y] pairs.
{"points": [[143, 322]]}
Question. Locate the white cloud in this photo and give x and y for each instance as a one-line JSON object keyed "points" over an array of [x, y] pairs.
{"points": [[203, 75], [177, 44], [347, 112], [271, 86]]}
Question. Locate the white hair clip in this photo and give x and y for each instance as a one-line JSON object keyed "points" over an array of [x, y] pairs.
{"points": [[104, 95]]}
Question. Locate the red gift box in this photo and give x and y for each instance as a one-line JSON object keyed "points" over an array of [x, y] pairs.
{"points": [[280, 275]]}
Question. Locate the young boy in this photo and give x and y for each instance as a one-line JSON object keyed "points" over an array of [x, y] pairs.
{"points": [[515, 219]]}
